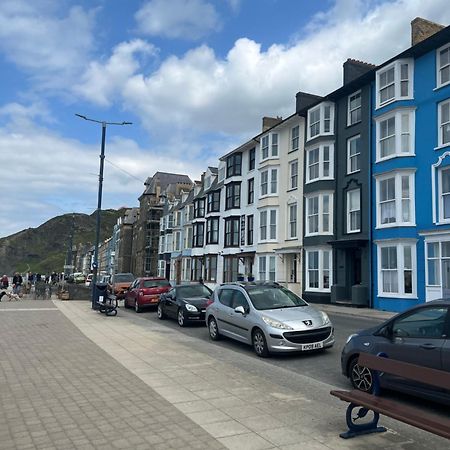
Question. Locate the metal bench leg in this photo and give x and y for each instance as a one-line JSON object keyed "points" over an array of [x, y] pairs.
{"points": [[356, 429]]}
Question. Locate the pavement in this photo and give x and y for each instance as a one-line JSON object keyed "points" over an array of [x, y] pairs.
{"points": [[71, 378]]}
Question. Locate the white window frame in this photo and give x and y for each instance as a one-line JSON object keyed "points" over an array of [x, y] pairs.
{"points": [[295, 138], [292, 220], [439, 68], [270, 225], [398, 199], [267, 268], [396, 83], [321, 162], [161, 268], [350, 211], [440, 125], [400, 269], [293, 175], [442, 219], [321, 268], [400, 130], [321, 213], [356, 156], [271, 184], [349, 110], [322, 119], [177, 241], [269, 147]]}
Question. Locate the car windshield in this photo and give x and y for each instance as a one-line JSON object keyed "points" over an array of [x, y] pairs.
{"points": [[155, 283], [193, 291], [273, 297], [123, 278]]}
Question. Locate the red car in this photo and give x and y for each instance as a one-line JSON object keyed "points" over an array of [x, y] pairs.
{"points": [[144, 292]]}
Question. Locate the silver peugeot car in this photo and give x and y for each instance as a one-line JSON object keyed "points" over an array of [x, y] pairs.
{"points": [[267, 316]]}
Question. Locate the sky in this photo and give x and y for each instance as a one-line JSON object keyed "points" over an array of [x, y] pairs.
{"points": [[195, 78]]}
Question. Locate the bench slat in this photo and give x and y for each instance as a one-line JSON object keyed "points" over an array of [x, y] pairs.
{"points": [[420, 374], [405, 413]]}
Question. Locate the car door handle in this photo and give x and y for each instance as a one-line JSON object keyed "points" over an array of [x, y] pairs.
{"points": [[428, 346]]}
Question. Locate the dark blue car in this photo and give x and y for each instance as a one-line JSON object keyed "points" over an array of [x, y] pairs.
{"points": [[419, 336]]}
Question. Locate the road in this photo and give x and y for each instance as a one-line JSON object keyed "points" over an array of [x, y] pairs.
{"points": [[323, 366]]}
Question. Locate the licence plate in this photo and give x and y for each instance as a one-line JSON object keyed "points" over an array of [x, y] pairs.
{"points": [[312, 346]]}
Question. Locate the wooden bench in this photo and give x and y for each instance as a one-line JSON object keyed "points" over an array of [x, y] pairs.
{"points": [[411, 415], [108, 305]]}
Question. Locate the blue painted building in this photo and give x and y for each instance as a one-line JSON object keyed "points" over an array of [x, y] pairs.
{"points": [[410, 176]]}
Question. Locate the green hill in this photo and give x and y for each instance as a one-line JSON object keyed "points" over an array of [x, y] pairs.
{"points": [[43, 249]]}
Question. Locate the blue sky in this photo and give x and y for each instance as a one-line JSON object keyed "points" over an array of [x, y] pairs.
{"points": [[194, 76]]}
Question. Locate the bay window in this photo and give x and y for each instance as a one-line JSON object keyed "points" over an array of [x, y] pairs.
{"points": [[396, 268], [320, 163], [319, 213], [269, 182], [394, 82], [395, 134], [395, 199], [318, 269], [443, 65], [320, 120], [444, 123]]}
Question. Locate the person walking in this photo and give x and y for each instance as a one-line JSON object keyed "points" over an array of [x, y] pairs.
{"points": [[4, 282], [17, 283]]}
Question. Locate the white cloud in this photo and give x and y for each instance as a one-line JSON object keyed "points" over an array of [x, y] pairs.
{"points": [[200, 91], [101, 81], [45, 175], [186, 19], [48, 46]]}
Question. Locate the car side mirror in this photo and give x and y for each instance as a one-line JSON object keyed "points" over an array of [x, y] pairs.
{"points": [[240, 310]]}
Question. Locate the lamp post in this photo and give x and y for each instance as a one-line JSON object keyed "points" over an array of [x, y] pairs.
{"points": [[99, 202]]}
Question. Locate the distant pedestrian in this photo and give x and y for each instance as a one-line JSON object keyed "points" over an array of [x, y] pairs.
{"points": [[4, 282], [17, 283]]}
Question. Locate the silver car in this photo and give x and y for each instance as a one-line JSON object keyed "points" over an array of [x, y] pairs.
{"points": [[267, 316]]}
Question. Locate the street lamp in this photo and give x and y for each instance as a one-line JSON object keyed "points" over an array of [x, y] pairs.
{"points": [[99, 203]]}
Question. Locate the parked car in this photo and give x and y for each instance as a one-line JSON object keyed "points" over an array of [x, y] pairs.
{"points": [[79, 278], [267, 316], [418, 336], [120, 284], [185, 303], [88, 279], [145, 292]]}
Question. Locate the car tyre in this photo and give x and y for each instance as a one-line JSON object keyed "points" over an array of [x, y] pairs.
{"points": [[361, 377], [259, 343], [137, 308], [160, 312], [181, 319], [125, 303], [213, 329]]}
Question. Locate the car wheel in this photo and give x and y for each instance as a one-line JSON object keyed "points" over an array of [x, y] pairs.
{"points": [[125, 303], [180, 318], [160, 312], [361, 377], [137, 308], [260, 343], [213, 329]]}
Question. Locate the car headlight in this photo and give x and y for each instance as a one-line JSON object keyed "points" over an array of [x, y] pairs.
{"points": [[191, 308], [350, 338], [325, 318], [275, 323]]}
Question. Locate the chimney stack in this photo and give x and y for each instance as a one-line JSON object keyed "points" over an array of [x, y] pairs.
{"points": [[422, 29], [269, 122]]}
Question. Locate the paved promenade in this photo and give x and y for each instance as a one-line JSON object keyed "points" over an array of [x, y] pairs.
{"points": [[72, 378]]}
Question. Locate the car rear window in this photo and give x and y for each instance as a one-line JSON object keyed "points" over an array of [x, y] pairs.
{"points": [[123, 278], [193, 291], [155, 283]]}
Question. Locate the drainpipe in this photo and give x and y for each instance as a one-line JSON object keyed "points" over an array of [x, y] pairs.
{"points": [[370, 198]]}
